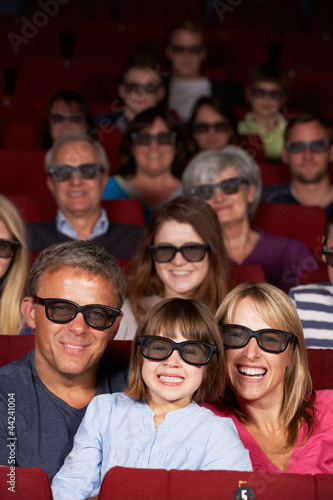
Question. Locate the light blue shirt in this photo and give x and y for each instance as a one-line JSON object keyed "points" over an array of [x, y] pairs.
{"points": [[66, 228], [119, 431]]}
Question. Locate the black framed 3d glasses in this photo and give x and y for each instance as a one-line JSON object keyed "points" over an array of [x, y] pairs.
{"points": [[192, 49], [268, 339], [204, 128], [273, 94], [192, 252], [193, 352], [62, 173], [228, 186], [148, 88], [145, 139], [317, 146], [59, 118], [8, 248], [63, 311], [328, 257]]}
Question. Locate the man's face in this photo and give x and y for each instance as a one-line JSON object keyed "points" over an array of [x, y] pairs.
{"points": [[186, 54], [77, 197], [307, 166], [73, 349], [140, 90]]}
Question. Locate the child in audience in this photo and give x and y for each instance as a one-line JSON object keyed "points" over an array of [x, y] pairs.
{"points": [[176, 362], [266, 94]]}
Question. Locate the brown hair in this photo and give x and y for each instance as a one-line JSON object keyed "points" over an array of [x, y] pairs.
{"points": [[189, 26], [145, 281], [270, 71], [278, 311], [194, 322], [308, 117]]}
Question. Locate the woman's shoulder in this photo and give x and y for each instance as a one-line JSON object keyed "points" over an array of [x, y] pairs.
{"points": [[324, 398], [115, 188]]}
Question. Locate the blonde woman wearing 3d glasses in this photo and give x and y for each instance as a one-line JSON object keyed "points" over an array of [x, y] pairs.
{"points": [[229, 180], [285, 426]]}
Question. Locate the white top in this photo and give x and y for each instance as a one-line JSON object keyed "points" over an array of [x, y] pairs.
{"points": [[128, 324], [183, 94]]}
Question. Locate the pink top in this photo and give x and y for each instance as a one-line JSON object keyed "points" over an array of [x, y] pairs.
{"points": [[313, 457]]}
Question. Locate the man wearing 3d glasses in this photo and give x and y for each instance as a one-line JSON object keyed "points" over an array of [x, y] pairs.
{"points": [[308, 151], [75, 292], [77, 168]]}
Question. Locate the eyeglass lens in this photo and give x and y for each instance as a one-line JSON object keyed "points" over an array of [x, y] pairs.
{"points": [[145, 139], [190, 252], [8, 248], [228, 186], [160, 348], [317, 146], [64, 311], [61, 173], [203, 128], [270, 340]]}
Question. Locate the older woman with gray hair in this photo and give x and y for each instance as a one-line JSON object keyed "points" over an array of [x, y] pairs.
{"points": [[229, 180]]}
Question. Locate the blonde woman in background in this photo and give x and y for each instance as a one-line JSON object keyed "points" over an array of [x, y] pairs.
{"points": [[13, 267]]}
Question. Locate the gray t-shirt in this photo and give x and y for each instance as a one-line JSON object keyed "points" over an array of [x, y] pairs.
{"points": [[36, 427]]}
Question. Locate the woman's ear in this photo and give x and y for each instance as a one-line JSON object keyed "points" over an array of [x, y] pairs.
{"points": [[251, 191], [28, 311]]}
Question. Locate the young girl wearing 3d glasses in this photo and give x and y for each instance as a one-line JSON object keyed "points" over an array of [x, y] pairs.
{"points": [[157, 423]]}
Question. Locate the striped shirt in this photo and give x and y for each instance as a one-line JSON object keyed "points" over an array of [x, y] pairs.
{"points": [[314, 304]]}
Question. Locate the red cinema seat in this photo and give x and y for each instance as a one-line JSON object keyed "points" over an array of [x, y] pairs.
{"points": [[29, 483], [242, 273], [127, 211], [254, 146], [294, 221], [21, 135]]}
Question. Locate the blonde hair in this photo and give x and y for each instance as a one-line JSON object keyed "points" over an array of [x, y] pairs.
{"points": [[195, 322], [278, 311], [13, 283]]}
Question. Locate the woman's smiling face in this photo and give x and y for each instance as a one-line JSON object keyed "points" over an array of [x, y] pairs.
{"points": [[254, 374], [179, 276]]}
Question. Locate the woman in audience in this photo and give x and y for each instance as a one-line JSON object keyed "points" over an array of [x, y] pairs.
{"points": [[13, 267], [229, 180], [285, 426], [66, 111], [182, 255], [213, 125], [157, 423], [152, 155]]}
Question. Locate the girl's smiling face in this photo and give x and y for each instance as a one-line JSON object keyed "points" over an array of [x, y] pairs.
{"points": [[172, 382]]}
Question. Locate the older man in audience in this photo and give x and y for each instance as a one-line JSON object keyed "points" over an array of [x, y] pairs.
{"points": [[77, 171], [308, 151], [314, 302], [75, 292]]}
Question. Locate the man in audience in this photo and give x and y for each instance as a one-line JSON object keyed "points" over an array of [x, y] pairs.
{"points": [[141, 88], [308, 151], [77, 169], [314, 302], [75, 292]]}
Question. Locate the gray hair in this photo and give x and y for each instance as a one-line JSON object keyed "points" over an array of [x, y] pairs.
{"points": [[84, 256], [87, 142], [207, 165]]}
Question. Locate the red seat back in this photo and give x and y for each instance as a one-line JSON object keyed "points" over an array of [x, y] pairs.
{"points": [[28, 483]]}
